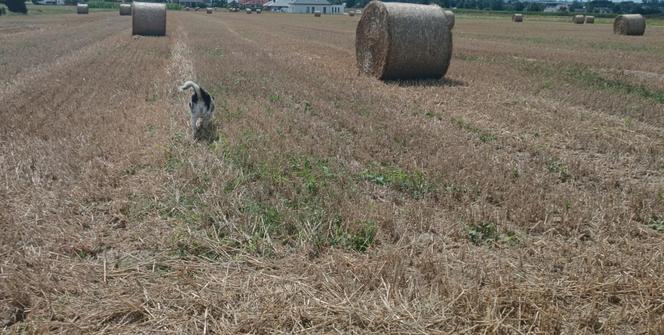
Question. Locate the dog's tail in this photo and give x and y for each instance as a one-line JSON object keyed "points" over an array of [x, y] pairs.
{"points": [[189, 84]]}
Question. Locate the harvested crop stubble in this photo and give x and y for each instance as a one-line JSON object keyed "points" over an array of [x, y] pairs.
{"points": [[450, 18], [317, 13], [590, 19], [403, 41], [578, 19], [629, 24], [148, 19], [125, 9], [517, 17], [82, 8], [208, 10]]}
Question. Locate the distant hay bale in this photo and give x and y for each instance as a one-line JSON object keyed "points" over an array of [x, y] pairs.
{"points": [[82, 8], [517, 18], [403, 41], [196, 9], [125, 9], [317, 13], [449, 15], [590, 19], [258, 11], [208, 10], [248, 10], [148, 19], [351, 13], [187, 9], [358, 12], [629, 24], [579, 19]]}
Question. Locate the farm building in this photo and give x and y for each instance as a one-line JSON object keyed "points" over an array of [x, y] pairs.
{"points": [[277, 5], [555, 8], [311, 6], [304, 6], [51, 2]]}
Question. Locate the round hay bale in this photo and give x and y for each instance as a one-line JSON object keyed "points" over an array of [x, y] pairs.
{"points": [[579, 19], [317, 13], [517, 17], [258, 11], [82, 8], [125, 9], [450, 18], [208, 10], [403, 41], [351, 13], [629, 24], [187, 9], [248, 10], [196, 9], [358, 12], [148, 19], [590, 19]]}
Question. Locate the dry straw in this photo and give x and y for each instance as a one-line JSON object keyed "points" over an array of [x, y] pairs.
{"points": [[517, 17], [629, 24], [450, 18], [317, 13], [82, 8], [590, 19], [403, 41], [208, 10], [579, 19], [148, 19], [125, 9]]}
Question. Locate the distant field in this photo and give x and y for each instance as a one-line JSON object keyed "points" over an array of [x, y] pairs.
{"points": [[492, 15], [522, 194], [51, 10]]}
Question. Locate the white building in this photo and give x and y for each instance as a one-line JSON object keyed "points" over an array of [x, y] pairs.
{"points": [[277, 5], [311, 6]]}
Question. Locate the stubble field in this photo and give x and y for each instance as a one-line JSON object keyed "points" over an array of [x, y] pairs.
{"points": [[522, 194]]}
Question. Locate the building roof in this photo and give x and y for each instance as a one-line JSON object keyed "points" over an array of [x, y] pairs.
{"points": [[251, 2], [277, 3], [309, 2]]}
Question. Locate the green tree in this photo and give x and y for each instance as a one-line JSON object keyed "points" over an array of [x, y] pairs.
{"points": [[16, 6]]}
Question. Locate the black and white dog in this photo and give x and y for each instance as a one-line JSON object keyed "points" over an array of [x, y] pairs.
{"points": [[202, 108]]}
